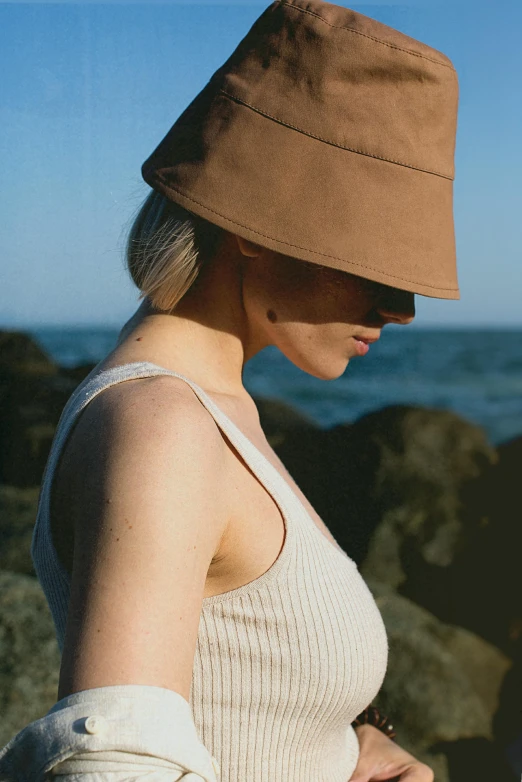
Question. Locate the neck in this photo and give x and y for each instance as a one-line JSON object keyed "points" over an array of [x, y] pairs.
{"points": [[206, 338]]}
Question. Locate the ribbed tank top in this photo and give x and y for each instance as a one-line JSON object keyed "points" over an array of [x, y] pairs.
{"points": [[282, 664]]}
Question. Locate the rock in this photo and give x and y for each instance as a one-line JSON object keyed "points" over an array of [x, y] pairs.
{"points": [[77, 373], [420, 500], [30, 410], [442, 690], [485, 580], [481, 589], [29, 656], [507, 724], [17, 516], [21, 354], [425, 457], [33, 393], [426, 653], [391, 479], [280, 421], [476, 759]]}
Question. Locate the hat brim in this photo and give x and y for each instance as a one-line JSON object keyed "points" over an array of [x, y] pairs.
{"points": [[310, 199]]}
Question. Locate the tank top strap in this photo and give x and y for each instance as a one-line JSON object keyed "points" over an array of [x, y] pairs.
{"points": [[282, 494]]}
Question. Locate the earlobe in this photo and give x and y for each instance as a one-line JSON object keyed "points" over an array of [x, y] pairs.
{"points": [[248, 248]]}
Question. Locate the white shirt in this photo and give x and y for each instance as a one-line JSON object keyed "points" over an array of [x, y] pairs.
{"points": [[119, 733]]}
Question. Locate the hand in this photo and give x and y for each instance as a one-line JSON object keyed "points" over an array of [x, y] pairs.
{"points": [[382, 760]]}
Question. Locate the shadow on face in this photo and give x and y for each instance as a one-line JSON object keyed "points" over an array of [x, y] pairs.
{"points": [[297, 290]]}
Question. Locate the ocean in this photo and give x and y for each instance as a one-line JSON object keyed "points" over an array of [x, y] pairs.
{"points": [[477, 373]]}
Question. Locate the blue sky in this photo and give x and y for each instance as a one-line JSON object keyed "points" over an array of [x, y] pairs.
{"points": [[89, 89]]}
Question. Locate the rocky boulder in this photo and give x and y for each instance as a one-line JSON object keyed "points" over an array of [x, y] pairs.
{"points": [[442, 689], [29, 656], [33, 393], [17, 517]]}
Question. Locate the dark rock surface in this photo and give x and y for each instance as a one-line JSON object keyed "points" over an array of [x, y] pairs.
{"points": [[443, 687], [421, 501], [403, 466], [33, 392], [17, 515], [482, 589], [21, 355], [279, 421], [29, 657], [443, 682], [507, 723]]}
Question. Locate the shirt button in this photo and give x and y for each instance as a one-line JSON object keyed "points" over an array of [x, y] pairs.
{"points": [[95, 724]]}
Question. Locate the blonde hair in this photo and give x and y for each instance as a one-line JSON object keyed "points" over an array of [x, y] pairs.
{"points": [[166, 248]]}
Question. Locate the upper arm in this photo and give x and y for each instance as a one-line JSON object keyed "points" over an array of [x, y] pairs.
{"points": [[148, 513]]}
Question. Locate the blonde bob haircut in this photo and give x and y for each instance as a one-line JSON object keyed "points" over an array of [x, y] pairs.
{"points": [[166, 248]]}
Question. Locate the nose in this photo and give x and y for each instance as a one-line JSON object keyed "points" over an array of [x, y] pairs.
{"points": [[397, 306]]}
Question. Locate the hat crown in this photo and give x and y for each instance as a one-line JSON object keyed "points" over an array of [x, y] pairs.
{"points": [[348, 80], [329, 137]]}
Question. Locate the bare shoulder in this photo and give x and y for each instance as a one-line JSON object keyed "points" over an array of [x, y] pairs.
{"points": [[156, 416], [149, 512], [159, 397]]}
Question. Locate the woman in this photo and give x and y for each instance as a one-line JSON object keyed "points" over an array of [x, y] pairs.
{"points": [[209, 622]]}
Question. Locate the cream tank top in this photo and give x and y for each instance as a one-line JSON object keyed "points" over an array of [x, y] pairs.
{"points": [[283, 664]]}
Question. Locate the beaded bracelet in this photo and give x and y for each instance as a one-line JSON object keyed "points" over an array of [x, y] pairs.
{"points": [[372, 716]]}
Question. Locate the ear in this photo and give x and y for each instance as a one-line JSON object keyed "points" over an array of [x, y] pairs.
{"points": [[248, 248]]}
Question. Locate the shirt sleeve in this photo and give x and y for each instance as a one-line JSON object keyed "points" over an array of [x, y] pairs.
{"points": [[119, 733]]}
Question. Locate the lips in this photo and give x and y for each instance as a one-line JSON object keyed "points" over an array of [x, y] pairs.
{"points": [[361, 347]]}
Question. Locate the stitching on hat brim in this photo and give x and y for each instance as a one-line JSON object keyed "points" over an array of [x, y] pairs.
{"points": [[167, 187], [327, 141], [371, 37]]}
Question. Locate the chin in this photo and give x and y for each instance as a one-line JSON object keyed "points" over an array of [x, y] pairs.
{"points": [[331, 371]]}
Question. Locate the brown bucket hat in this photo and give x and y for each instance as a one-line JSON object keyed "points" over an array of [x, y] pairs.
{"points": [[329, 137]]}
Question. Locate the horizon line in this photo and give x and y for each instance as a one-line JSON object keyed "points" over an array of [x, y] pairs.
{"points": [[107, 325]]}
